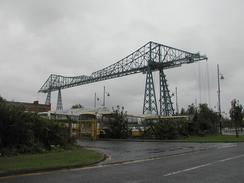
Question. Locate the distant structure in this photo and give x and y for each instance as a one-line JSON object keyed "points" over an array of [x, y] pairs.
{"points": [[149, 58], [32, 107], [91, 122]]}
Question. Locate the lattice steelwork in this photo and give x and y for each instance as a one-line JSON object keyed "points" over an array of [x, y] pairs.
{"points": [[48, 99], [152, 55], [166, 105], [59, 102], [150, 102]]}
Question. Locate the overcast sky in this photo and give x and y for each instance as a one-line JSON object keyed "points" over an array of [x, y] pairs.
{"points": [[40, 37]]}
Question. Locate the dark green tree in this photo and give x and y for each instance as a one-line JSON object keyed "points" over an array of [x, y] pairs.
{"points": [[77, 106], [191, 110], [236, 114], [183, 111], [204, 121], [119, 123]]}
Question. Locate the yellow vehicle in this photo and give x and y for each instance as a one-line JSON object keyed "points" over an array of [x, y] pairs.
{"points": [[88, 125]]}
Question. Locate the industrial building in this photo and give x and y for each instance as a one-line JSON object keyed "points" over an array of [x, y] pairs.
{"points": [[32, 107]]}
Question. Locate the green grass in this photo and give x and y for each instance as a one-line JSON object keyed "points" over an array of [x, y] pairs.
{"points": [[214, 138], [52, 160]]}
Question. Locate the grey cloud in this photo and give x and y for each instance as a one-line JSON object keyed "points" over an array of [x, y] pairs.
{"points": [[78, 37]]}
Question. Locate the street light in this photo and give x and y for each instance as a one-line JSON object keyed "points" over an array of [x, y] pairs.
{"points": [[105, 93], [95, 100], [220, 76]]}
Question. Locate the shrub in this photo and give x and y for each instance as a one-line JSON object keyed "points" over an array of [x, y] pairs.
{"points": [[23, 132], [119, 124], [166, 128], [205, 121]]}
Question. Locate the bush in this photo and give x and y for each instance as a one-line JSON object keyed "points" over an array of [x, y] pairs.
{"points": [[22, 132], [119, 124], [166, 129], [204, 121]]}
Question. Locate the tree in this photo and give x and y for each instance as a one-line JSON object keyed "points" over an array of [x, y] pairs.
{"points": [[204, 121], [183, 111], [236, 114], [119, 124], [77, 106], [23, 132], [191, 109]]}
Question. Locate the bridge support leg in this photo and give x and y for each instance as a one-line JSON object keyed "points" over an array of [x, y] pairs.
{"points": [[48, 99], [59, 102], [150, 102], [166, 105]]}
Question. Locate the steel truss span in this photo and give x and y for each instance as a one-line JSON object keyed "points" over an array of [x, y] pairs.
{"points": [[147, 59]]}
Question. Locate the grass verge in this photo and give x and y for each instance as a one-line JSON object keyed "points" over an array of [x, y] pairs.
{"points": [[214, 138], [77, 157]]}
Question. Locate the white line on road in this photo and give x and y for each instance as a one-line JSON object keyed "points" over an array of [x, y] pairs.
{"points": [[227, 146], [231, 158], [188, 169], [203, 165]]}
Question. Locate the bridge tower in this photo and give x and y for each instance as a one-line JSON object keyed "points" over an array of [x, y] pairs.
{"points": [[48, 99], [166, 105], [59, 101], [150, 102]]}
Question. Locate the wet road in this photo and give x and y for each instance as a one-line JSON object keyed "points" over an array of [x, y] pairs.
{"points": [[155, 162], [120, 151]]}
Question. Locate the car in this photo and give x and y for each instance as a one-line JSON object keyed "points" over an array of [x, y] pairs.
{"points": [[105, 133]]}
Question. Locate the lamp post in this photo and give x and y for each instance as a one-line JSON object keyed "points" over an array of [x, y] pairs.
{"points": [[95, 100], [104, 94], [220, 76]]}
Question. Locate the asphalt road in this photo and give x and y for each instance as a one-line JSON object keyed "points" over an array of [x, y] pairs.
{"points": [[210, 163], [120, 151]]}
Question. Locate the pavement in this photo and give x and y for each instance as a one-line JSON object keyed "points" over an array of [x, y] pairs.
{"points": [[132, 162]]}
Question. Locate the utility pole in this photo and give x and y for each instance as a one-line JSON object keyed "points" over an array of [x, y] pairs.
{"points": [[105, 93], [220, 76], [95, 101], [103, 96]]}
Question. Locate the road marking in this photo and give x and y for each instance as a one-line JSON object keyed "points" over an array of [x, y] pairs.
{"points": [[231, 158], [227, 146], [188, 169], [203, 165]]}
